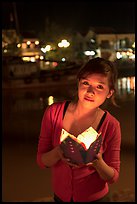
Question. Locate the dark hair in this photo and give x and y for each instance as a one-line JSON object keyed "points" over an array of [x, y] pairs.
{"points": [[101, 66]]}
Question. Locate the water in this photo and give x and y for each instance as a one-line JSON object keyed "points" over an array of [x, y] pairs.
{"points": [[22, 113], [23, 108]]}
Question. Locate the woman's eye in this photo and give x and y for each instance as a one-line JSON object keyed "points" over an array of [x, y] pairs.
{"points": [[100, 87], [85, 83]]}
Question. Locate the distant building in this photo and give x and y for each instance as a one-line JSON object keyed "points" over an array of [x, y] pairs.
{"points": [[9, 41], [97, 41], [30, 45], [106, 43], [111, 42]]}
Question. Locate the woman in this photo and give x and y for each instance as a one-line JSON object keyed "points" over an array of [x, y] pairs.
{"points": [[87, 182]]}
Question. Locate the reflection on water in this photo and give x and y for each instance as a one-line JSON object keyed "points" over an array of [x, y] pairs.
{"points": [[37, 99], [22, 115], [23, 109], [126, 85]]}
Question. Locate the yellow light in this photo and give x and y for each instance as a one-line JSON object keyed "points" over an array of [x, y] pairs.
{"points": [[47, 62], [36, 42], [64, 43], [41, 57], [48, 47], [37, 57], [28, 42], [26, 59], [18, 45], [133, 45], [50, 100], [132, 57], [32, 59]]}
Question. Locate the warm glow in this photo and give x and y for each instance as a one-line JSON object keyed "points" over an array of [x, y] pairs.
{"points": [[132, 83], [125, 54], [92, 40], [98, 52], [37, 57], [27, 59], [60, 44], [48, 47], [18, 45], [50, 100], [54, 64], [41, 57], [43, 49], [88, 53], [133, 45], [28, 42], [63, 43], [118, 55], [36, 42], [87, 137], [126, 83], [24, 46], [32, 59], [47, 62], [132, 57]]}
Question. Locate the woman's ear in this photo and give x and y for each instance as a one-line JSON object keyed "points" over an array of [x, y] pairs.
{"points": [[110, 93]]}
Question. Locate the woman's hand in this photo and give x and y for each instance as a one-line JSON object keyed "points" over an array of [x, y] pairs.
{"points": [[97, 159], [106, 172], [66, 160]]}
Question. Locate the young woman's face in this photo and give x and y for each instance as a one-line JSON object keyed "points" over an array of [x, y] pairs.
{"points": [[93, 90]]}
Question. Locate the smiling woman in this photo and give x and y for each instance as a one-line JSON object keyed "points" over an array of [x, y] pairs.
{"points": [[96, 83], [103, 74], [22, 112]]}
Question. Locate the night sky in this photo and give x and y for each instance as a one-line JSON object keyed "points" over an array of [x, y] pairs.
{"points": [[77, 15]]}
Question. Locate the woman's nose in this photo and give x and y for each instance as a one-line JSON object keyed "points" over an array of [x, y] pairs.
{"points": [[90, 90]]}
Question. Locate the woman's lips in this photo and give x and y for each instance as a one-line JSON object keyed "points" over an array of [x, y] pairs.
{"points": [[89, 99]]}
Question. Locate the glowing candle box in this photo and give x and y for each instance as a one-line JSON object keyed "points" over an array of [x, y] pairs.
{"points": [[83, 148]]}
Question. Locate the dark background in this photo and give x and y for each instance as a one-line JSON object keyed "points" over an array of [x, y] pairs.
{"points": [[78, 15], [22, 179]]}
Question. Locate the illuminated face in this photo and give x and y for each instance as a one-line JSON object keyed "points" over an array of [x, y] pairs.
{"points": [[93, 90]]}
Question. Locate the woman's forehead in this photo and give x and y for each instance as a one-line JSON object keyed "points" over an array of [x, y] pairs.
{"points": [[95, 76]]}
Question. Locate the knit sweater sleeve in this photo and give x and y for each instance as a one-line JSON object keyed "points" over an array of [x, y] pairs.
{"points": [[112, 153]]}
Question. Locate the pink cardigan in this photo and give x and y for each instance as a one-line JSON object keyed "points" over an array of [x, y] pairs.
{"points": [[82, 184]]}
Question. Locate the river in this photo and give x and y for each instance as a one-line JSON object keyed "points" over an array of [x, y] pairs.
{"points": [[22, 111]]}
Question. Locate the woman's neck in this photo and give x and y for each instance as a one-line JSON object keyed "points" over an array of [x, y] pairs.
{"points": [[79, 111]]}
